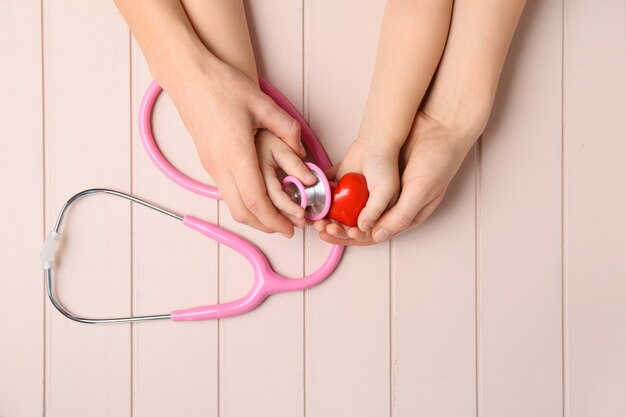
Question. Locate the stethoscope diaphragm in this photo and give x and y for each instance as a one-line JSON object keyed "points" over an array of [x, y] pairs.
{"points": [[315, 199]]}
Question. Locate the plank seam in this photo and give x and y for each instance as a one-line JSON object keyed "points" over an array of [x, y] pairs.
{"points": [[477, 271], [305, 234], [392, 329], [133, 328], [43, 190], [564, 351]]}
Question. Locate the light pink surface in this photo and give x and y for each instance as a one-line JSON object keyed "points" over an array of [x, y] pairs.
{"points": [[510, 301]]}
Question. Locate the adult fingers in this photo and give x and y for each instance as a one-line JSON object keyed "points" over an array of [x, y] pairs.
{"points": [[297, 221], [320, 225], [239, 212], [344, 242], [278, 197], [293, 165], [337, 230], [358, 234], [400, 217], [271, 117], [249, 181], [426, 212], [341, 231]]}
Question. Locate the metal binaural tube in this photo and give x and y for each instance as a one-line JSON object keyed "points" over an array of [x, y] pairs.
{"points": [[49, 265]]}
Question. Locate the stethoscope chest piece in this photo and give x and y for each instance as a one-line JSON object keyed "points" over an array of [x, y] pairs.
{"points": [[315, 199]]}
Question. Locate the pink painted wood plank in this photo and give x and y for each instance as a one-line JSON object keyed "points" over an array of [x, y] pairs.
{"points": [[261, 354], [87, 129], [433, 308], [174, 364], [21, 182], [519, 334], [595, 203], [347, 338]]}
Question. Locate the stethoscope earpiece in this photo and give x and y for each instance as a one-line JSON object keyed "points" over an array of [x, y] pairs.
{"points": [[314, 199]]}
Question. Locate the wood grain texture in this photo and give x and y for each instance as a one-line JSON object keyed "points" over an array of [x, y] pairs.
{"points": [[433, 308], [519, 337], [87, 125], [529, 322], [347, 370], [174, 364], [595, 203], [21, 183], [261, 354]]}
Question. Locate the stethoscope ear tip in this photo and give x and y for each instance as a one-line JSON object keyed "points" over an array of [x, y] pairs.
{"points": [[315, 199]]}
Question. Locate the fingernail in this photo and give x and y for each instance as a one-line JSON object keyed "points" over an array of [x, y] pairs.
{"points": [[365, 225], [381, 234], [296, 221], [286, 235], [302, 150]]}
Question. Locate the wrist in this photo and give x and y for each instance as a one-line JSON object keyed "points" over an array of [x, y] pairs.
{"points": [[378, 137], [182, 63], [463, 111]]}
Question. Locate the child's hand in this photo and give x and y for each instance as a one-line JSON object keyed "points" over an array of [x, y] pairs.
{"points": [[275, 154], [379, 165], [429, 159]]}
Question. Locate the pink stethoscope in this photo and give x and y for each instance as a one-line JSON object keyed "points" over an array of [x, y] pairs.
{"points": [[314, 199]]}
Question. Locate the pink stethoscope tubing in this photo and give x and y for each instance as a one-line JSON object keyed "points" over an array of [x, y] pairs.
{"points": [[266, 280]]}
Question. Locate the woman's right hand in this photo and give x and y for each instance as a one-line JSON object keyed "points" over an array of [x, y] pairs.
{"points": [[223, 110]]}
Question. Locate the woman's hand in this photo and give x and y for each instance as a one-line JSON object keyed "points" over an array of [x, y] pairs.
{"points": [[274, 155], [223, 109], [210, 73]]}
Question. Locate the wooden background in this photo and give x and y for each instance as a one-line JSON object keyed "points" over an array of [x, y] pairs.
{"points": [[509, 301]]}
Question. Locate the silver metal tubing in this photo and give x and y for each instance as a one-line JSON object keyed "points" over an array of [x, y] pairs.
{"points": [[49, 287], [120, 194]]}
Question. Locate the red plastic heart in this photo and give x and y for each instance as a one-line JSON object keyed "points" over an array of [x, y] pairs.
{"points": [[349, 197]]}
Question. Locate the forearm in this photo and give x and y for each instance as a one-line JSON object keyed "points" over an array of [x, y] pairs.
{"points": [[222, 28], [412, 39], [465, 85], [165, 36], [179, 42]]}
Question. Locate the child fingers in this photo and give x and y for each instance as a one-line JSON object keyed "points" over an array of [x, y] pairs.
{"points": [[278, 197], [320, 225], [293, 165], [279, 122], [381, 195]]}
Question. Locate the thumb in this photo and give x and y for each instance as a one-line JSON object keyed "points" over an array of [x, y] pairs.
{"points": [[402, 215], [382, 192], [273, 118]]}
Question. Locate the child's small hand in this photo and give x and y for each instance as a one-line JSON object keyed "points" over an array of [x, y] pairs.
{"points": [[379, 165], [429, 160], [275, 154]]}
